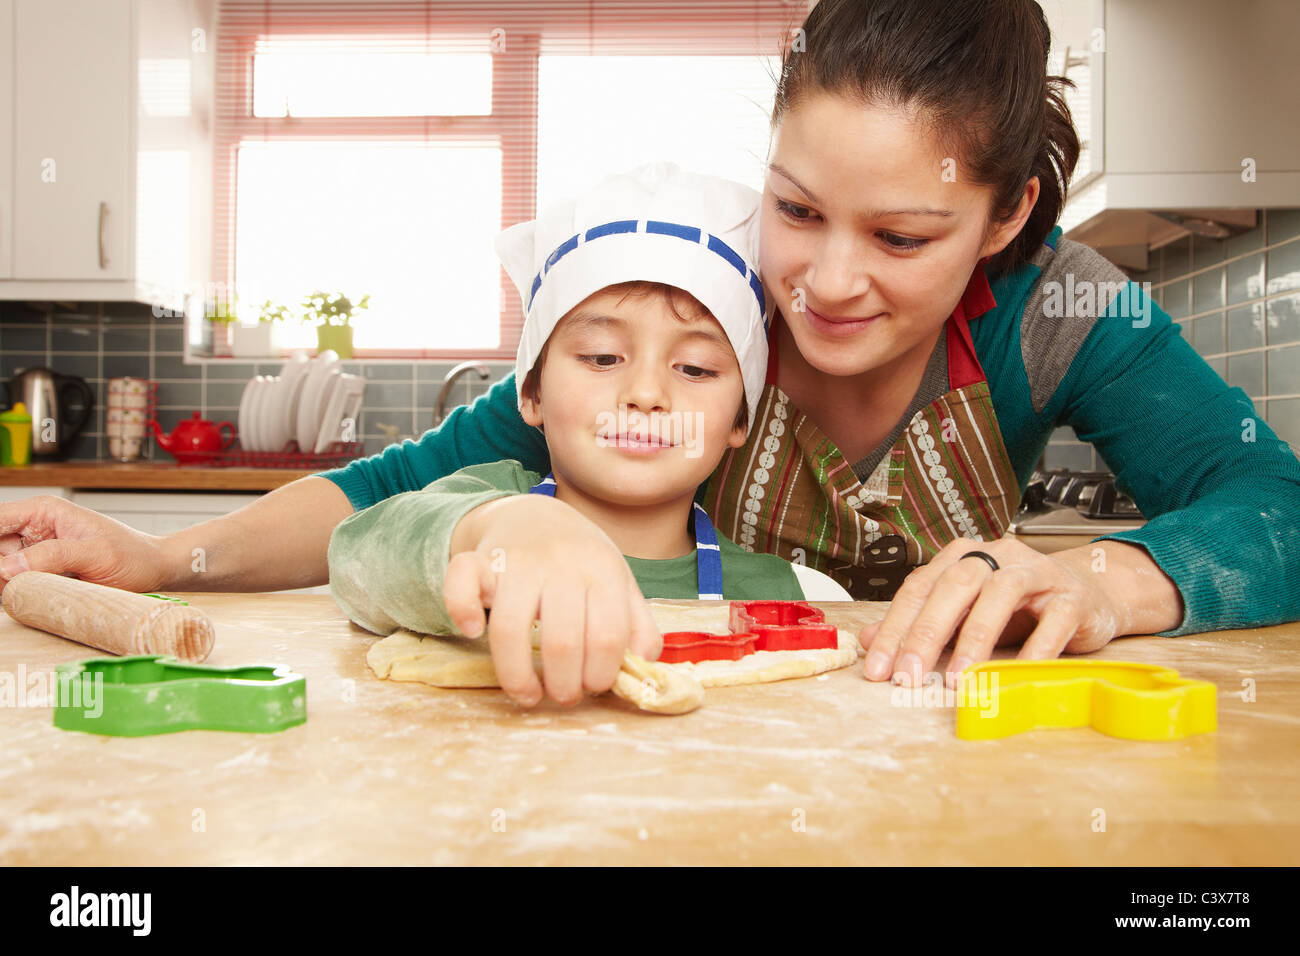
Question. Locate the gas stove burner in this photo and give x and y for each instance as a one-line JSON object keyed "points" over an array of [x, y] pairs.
{"points": [[1064, 501]]}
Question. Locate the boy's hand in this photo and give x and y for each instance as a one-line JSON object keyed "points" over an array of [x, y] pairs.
{"points": [[531, 557]]}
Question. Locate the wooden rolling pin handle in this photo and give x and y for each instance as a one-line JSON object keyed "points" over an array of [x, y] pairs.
{"points": [[109, 619]]}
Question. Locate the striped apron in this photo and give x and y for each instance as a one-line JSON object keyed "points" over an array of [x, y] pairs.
{"points": [[789, 491]]}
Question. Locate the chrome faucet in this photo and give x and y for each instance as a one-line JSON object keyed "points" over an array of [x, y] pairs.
{"points": [[449, 380]]}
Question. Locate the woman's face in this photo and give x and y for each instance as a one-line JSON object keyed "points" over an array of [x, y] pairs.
{"points": [[869, 234]]}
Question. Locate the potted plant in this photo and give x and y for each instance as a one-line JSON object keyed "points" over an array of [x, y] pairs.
{"points": [[254, 341], [332, 312], [223, 315]]}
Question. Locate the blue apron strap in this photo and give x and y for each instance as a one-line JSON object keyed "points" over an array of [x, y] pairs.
{"points": [[708, 557], [544, 487]]}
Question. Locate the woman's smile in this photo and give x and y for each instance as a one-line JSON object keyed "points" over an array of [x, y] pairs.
{"points": [[836, 326]]}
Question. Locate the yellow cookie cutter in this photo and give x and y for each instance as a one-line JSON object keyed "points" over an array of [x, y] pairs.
{"points": [[1119, 698]]}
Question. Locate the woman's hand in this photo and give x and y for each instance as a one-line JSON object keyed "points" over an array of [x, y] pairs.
{"points": [[1053, 603], [532, 557], [47, 533]]}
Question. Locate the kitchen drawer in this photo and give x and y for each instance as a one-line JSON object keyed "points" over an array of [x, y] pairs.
{"points": [[19, 492]]}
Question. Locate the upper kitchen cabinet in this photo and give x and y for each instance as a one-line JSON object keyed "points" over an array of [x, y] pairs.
{"points": [[1187, 112], [6, 139], [108, 115]]}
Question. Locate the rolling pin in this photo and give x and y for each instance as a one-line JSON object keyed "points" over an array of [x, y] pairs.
{"points": [[109, 619]]}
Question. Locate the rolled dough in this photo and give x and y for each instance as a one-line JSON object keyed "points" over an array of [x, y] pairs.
{"points": [[444, 661]]}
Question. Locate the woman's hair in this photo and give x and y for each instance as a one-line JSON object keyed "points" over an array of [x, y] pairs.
{"points": [[974, 71]]}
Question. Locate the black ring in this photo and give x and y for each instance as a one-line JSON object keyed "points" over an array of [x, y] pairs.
{"points": [[980, 554]]}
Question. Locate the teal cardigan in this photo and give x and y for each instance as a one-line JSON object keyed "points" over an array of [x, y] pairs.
{"points": [[1220, 489]]}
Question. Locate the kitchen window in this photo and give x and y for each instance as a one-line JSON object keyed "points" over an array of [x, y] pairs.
{"points": [[379, 149]]}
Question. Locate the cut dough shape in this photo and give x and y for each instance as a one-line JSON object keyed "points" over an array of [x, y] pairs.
{"points": [[445, 661], [761, 667]]}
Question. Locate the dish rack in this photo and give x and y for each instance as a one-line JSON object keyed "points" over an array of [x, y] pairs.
{"points": [[291, 456]]}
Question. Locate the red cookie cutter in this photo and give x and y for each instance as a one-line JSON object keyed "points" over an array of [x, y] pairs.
{"points": [[696, 646], [783, 625], [755, 626]]}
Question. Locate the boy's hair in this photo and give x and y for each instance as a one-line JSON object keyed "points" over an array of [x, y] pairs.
{"points": [[531, 387]]}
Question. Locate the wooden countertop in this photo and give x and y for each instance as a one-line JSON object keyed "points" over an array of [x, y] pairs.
{"points": [[148, 476], [804, 771]]}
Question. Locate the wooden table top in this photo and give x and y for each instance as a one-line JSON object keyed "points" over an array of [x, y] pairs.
{"points": [[823, 771], [148, 476]]}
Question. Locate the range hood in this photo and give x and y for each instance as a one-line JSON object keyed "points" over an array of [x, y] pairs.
{"points": [[1187, 114], [1127, 237]]}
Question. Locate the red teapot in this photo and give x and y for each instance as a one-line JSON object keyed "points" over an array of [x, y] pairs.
{"points": [[194, 440]]}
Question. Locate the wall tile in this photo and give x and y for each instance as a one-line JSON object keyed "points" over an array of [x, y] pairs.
{"points": [[1207, 251], [1247, 373], [1283, 224], [1176, 299], [72, 337], [25, 338], [11, 362], [1246, 327], [1284, 370], [116, 365], [1284, 418], [1207, 334], [128, 339], [1207, 291], [1283, 323], [1245, 279], [1284, 267], [1077, 457], [1176, 259]]}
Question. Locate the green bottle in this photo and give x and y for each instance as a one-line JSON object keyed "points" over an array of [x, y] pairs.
{"points": [[15, 437]]}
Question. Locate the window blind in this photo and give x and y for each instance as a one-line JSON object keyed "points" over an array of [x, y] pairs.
{"points": [[470, 81]]}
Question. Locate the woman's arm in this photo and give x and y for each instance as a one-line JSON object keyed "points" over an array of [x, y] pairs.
{"points": [[491, 429], [277, 541], [1220, 489]]}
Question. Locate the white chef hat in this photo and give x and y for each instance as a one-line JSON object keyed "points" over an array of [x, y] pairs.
{"points": [[656, 223]]}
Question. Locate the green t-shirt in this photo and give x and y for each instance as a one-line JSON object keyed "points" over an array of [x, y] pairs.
{"points": [[388, 561]]}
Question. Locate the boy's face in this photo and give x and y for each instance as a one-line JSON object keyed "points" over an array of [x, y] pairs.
{"points": [[638, 406]]}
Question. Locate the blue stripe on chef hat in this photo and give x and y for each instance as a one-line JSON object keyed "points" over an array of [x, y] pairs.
{"points": [[691, 234]]}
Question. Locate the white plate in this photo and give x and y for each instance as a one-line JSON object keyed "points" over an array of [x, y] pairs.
{"points": [[245, 403], [294, 377], [309, 405], [274, 434], [292, 400], [255, 413], [248, 406], [344, 403]]}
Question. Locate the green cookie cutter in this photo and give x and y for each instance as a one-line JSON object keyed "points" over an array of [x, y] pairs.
{"points": [[151, 694]]}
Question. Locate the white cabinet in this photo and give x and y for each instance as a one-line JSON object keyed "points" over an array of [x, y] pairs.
{"points": [[1183, 106], [6, 139], [72, 134], [18, 493], [108, 111]]}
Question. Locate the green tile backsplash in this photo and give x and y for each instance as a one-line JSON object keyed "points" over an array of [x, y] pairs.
{"points": [[1237, 303], [102, 341]]}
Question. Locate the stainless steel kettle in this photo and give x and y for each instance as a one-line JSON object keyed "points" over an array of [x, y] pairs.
{"points": [[55, 419]]}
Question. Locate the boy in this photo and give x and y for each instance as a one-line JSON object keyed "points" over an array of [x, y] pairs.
{"points": [[642, 358]]}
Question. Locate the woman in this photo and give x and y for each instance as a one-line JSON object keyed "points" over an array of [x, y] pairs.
{"points": [[916, 172]]}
